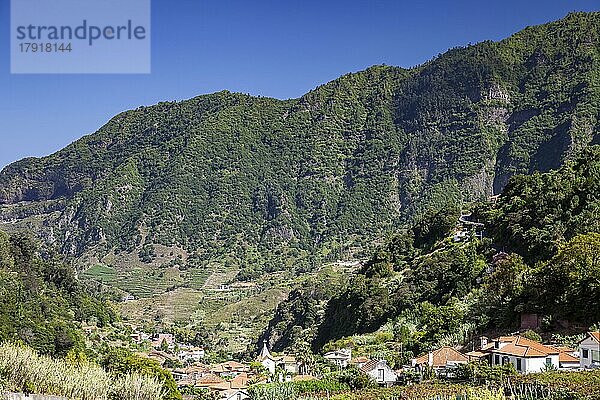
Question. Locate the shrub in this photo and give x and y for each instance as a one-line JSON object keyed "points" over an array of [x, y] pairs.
{"points": [[23, 369]]}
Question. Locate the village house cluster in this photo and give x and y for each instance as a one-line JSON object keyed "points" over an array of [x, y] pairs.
{"points": [[231, 379], [526, 355]]}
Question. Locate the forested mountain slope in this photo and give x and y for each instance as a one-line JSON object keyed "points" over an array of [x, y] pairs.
{"points": [[232, 174], [540, 253], [42, 300]]}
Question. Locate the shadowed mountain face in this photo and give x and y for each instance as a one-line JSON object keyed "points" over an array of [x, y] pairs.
{"points": [[357, 157]]}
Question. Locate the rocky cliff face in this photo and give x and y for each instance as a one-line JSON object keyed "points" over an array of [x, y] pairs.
{"points": [[354, 158]]}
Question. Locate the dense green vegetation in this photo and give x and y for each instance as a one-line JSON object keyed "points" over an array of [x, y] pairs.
{"points": [[42, 300], [441, 292], [24, 370], [247, 185], [257, 182], [121, 361], [551, 385]]}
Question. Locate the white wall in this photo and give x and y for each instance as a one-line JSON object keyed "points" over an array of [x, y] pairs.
{"points": [[389, 375], [528, 365], [590, 345], [269, 365]]}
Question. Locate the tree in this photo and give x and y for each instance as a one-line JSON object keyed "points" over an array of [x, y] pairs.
{"points": [[122, 361], [570, 281]]}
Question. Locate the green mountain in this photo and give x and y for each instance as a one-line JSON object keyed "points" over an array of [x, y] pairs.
{"points": [[255, 182], [538, 254]]}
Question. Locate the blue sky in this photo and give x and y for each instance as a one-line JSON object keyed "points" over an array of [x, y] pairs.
{"points": [[277, 48]]}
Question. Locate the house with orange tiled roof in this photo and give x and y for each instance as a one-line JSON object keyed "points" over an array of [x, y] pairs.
{"points": [[360, 361], [443, 360], [210, 381], [229, 368], [589, 351], [567, 358], [525, 354], [240, 382]]}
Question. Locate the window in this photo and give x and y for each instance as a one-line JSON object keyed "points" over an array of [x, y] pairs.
{"points": [[596, 356], [519, 364], [505, 360], [584, 353], [548, 362], [497, 359], [380, 374], [239, 396]]}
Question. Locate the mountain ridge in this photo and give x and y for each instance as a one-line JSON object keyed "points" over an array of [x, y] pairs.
{"points": [[355, 158]]}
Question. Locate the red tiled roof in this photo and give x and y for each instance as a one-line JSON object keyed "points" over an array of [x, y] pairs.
{"points": [[477, 354], [565, 357], [209, 380], [441, 357], [522, 347], [240, 381], [369, 366]]}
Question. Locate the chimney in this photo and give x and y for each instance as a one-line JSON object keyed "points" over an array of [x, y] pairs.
{"points": [[483, 341], [430, 359]]}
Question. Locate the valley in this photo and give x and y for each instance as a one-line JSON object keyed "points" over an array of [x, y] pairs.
{"points": [[331, 244]]}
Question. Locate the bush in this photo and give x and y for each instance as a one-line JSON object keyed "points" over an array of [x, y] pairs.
{"points": [[24, 370]]}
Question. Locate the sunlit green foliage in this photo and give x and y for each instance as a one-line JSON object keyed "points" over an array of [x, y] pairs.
{"points": [[42, 299]]}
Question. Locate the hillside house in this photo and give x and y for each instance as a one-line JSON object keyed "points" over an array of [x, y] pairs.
{"points": [[360, 361], [525, 354], [229, 369], [589, 351], [380, 372], [213, 383], [158, 339], [567, 358], [286, 363], [139, 337], [235, 394], [443, 361], [192, 354], [341, 358], [193, 373]]}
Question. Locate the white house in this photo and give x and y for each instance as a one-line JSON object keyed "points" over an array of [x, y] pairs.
{"points": [[589, 351], [381, 372], [288, 364], [158, 339], [568, 358], [193, 354], [341, 358], [234, 394], [526, 355], [444, 360]]}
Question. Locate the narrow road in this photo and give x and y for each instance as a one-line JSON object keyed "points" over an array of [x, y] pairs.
{"points": [[463, 219]]}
